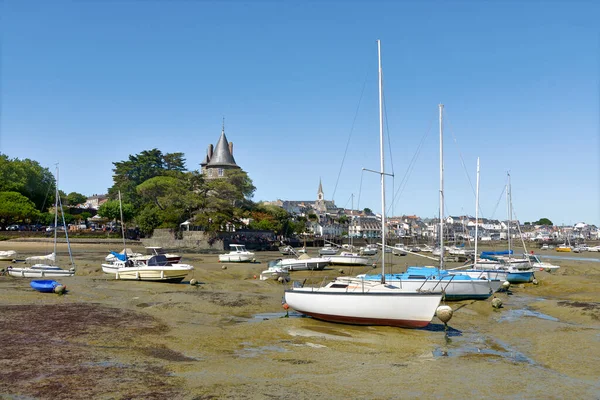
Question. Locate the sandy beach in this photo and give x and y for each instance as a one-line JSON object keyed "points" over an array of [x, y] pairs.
{"points": [[227, 338]]}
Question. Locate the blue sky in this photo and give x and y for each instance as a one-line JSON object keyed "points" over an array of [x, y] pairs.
{"points": [[87, 83]]}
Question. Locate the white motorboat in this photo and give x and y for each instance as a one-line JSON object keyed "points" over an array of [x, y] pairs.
{"points": [[275, 271], [368, 250], [399, 250], [8, 255], [156, 268], [328, 250], [238, 253], [538, 265], [348, 258], [304, 262], [356, 301]]}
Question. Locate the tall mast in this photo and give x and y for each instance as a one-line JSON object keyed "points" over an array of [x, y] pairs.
{"points": [[56, 212], [476, 214], [122, 225], [441, 106], [508, 212], [382, 164]]}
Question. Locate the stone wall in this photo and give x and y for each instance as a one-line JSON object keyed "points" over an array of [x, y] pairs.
{"points": [[196, 240]]}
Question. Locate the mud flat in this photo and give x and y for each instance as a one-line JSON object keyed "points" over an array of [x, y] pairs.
{"points": [[227, 338]]}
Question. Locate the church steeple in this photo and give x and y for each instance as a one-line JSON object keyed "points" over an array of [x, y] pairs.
{"points": [[320, 194]]}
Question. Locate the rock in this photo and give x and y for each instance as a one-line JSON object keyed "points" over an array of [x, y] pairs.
{"points": [[496, 302], [224, 267], [506, 285], [444, 313], [535, 282], [341, 271], [60, 289], [193, 282], [280, 279]]}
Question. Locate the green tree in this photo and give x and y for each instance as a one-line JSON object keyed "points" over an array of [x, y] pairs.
{"points": [[368, 211], [343, 219], [28, 178], [14, 207], [148, 219], [75, 198], [543, 221], [111, 210], [141, 167]]}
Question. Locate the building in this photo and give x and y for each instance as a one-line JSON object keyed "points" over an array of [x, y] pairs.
{"points": [[218, 158]]}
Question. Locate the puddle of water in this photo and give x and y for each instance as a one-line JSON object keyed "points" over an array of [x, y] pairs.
{"points": [[477, 345], [105, 364], [268, 316], [512, 315], [570, 258]]}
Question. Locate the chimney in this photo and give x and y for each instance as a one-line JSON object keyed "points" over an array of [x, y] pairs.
{"points": [[210, 151], [231, 147]]}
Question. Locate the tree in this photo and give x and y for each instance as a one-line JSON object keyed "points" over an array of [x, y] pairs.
{"points": [[141, 167], [368, 211], [28, 178], [111, 210], [14, 207], [343, 219], [543, 221], [75, 198]]}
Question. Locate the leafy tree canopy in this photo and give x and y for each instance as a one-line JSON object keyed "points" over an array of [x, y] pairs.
{"points": [[28, 178], [14, 207], [75, 198], [110, 209], [141, 167], [543, 221]]}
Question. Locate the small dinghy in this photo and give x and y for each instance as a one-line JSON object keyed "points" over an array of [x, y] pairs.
{"points": [[44, 286]]}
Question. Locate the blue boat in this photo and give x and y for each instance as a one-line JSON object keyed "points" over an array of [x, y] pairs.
{"points": [[45, 285]]}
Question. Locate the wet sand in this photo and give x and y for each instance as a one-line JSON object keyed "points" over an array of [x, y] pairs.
{"points": [[226, 338]]}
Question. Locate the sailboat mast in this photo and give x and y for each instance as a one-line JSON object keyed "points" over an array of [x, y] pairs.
{"points": [[441, 106], [382, 164], [56, 194], [508, 212], [122, 225], [476, 214]]}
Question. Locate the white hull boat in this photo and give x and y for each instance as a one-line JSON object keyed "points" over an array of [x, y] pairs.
{"points": [[40, 271], [156, 269], [346, 258], [275, 271], [305, 263], [45, 266], [238, 253], [359, 302], [328, 251], [356, 301], [8, 255]]}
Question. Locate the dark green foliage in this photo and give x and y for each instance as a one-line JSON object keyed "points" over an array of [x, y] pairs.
{"points": [[16, 208]]}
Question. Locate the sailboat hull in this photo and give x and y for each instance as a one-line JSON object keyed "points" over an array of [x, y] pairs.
{"points": [[359, 304], [40, 271]]}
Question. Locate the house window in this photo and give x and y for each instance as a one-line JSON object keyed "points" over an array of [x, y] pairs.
{"points": [[221, 171]]}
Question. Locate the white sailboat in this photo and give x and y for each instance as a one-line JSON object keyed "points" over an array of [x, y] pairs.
{"points": [[45, 266], [456, 285], [357, 301], [8, 255]]}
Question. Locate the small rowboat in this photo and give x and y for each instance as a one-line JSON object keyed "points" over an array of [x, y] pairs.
{"points": [[44, 286]]}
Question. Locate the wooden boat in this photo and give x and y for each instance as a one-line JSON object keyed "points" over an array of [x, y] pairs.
{"points": [[44, 286]]}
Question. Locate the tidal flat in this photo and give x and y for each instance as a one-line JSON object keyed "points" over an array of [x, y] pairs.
{"points": [[228, 338]]}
